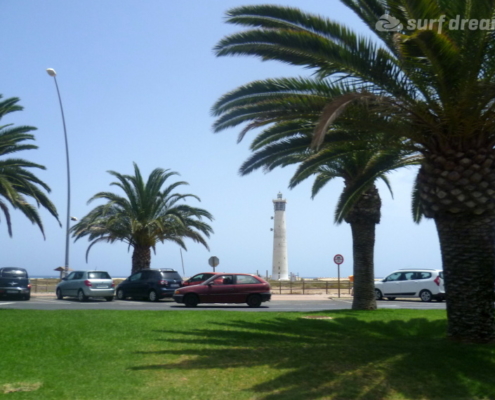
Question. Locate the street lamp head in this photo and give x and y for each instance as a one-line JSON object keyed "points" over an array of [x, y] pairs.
{"points": [[51, 72]]}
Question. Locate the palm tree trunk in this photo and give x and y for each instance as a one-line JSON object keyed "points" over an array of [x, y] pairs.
{"points": [[468, 255], [363, 217], [141, 258], [363, 246]]}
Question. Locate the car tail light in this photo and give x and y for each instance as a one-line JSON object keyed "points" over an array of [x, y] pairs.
{"points": [[113, 285], [437, 280], [29, 286], [87, 283], [164, 283]]}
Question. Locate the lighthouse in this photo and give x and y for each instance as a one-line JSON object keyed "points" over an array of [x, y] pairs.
{"points": [[280, 268]]}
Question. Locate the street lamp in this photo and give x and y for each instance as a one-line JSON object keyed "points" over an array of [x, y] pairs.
{"points": [[52, 73]]}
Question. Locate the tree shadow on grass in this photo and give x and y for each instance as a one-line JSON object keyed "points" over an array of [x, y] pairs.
{"points": [[341, 358]]}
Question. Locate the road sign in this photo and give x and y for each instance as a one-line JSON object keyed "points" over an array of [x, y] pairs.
{"points": [[213, 261], [338, 259]]}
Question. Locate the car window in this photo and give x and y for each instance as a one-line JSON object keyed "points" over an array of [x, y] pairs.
{"points": [[98, 275], [135, 277], [200, 277], [410, 276], [246, 279], [171, 275], [14, 273], [441, 275], [425, 275], [223, 280], [71, 276], [146, 275], [396, 276], [78, 275]]}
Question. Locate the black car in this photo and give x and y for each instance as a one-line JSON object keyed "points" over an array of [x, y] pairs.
{"points": [[14, 282], [151, 284]]}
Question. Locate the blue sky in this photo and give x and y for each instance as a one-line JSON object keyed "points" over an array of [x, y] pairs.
{"points": [[138, 79]]}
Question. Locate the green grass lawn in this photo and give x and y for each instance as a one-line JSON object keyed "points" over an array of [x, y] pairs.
{"points": [[214, 355]]}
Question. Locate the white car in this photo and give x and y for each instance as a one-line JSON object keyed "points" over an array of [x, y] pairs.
{"points": [[427, 284]]}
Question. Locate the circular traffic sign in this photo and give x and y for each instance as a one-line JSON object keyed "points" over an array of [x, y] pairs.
{"points": [[338, 259], [213, 261]]}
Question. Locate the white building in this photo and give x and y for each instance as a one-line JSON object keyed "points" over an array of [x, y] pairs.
{"points": [[280, 269]]}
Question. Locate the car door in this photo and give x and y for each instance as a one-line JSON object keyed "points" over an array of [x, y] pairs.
{"points": [[147, 282], [133, 285], [244, 286], [77, 282], [64, 284], [425, 281], [71, 284], [410, 284], [221, 290], [392, 284]]}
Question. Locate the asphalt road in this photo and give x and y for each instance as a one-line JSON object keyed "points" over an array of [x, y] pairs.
{"points": [[275, 305]]}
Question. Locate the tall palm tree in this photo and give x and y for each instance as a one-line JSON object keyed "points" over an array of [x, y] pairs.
{"points": [[148, 214], [440, 83], [289, 109], [17, 182]]}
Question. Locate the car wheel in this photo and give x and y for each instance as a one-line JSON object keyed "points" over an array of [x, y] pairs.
{"points": [[109, 298], [152, 296], [254, 300], [121, 295], [378, 294], [425, 296], [81, 296], [191, 300], [59, 294], [391, 298]]}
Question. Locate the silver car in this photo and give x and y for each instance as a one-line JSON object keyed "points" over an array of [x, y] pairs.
{"points": [[84, 284]]}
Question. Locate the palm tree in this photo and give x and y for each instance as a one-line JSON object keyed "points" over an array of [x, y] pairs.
{"points": [[359, 203], [17, 182], [290, 109], [146, 215], [440, 83]]}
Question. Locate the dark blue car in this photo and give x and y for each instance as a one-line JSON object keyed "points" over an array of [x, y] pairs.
{"points": [[14, 282], [151, 284]]}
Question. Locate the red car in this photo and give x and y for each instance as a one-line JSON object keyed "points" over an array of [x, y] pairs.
{"points": [[199, 278], [226, 288]]}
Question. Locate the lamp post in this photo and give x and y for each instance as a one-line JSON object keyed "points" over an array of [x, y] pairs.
{"points": [[52, 73]]}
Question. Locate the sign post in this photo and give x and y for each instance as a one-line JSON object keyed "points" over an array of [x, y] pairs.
{"points": [[338, 259], [213, 261]]}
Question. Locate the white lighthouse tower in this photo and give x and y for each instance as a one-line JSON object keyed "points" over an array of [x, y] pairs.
{"points": [[280, 268]]}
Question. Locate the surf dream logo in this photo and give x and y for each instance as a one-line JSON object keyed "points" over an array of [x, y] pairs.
{"points": [[388, 23]]}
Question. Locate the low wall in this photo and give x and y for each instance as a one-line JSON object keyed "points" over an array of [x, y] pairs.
{"points": [[301, 286], [311, 286], [43, 285]]}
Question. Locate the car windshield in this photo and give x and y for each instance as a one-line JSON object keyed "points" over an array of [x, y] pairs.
{"points": [[98, 275], [14, 273]]}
